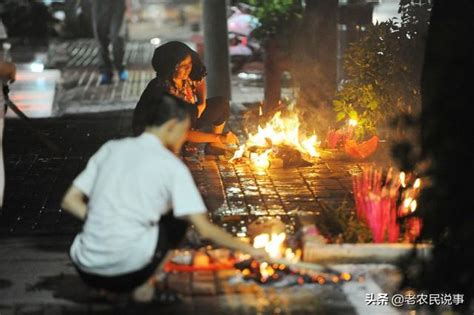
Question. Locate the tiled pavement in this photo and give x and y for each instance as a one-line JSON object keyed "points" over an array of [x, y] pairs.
{"points": [[51, 286], [80, 88], [235, 194], [36, 180], [80, 91]]}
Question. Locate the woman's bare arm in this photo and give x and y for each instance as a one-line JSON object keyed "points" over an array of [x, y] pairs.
{"points": [[201, 92], [201, 96], [201, 137], [74, 203]]}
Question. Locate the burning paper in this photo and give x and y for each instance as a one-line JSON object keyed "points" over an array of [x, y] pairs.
{"points": [[278, 139]]}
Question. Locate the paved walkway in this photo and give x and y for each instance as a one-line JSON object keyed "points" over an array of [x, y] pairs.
{"points": [[36, 277], [35, 274], [236, 194]]}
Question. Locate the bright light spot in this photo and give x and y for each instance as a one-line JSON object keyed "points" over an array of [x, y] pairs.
{"points": [[261, 240], [272, 244], [155, 41], [402, 179], [60, 15], [261, 160], [36, 67], [417, 183], [413, 206], [346, 276], [239, 153], [407, 202], [352, 122]]}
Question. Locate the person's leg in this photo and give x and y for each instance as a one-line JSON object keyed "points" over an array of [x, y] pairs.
{"points": [[101, 20], [117, 33], [171, 233], [216, 115]]}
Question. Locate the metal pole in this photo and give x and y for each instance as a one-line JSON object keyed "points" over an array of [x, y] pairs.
{"points": [[216, 48]]}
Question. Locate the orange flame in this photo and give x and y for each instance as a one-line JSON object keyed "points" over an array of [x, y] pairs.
{"points": [[279, 130]]}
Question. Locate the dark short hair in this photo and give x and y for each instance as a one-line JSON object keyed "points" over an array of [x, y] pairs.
{"points": [[161, 107]]}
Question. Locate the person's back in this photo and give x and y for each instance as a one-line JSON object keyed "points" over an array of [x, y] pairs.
{"points": [[131, 190], [131, 184]]}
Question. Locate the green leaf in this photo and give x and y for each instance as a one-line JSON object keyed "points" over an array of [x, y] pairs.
{"points": [[340, 116], [353, 115]]}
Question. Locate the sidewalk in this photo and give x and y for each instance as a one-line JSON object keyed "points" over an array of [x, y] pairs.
{"points": [[36, 276]]}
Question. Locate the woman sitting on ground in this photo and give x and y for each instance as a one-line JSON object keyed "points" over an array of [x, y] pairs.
{"points": [[180, 72]]}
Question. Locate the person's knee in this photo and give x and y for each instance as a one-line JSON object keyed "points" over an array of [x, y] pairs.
{"points": [[223, 110]]}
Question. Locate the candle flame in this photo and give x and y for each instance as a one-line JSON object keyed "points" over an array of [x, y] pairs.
{"points": [[402, 179], [352, 122], [407, 202], [413, 206], [417, 183]]}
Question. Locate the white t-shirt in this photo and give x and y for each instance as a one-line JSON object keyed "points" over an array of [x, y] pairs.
{"points": [[130, 183]]}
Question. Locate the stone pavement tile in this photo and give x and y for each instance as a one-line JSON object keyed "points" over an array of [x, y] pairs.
{"points": [[229, 190]]}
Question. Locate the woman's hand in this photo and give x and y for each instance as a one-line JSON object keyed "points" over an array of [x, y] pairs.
{"points": [[228, 138], [200, 108]]}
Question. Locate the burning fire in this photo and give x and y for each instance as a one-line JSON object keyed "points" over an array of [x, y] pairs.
{"points": [[274, 245], [278, 131]]}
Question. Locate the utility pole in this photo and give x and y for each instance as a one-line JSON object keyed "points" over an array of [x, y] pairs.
{"points": [[216, 48]]}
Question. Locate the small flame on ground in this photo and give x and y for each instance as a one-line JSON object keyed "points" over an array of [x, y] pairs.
{"points": [[261, 160], [273, 245]]}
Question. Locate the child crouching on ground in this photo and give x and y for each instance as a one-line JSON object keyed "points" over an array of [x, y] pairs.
{"points": [[131, 186]]}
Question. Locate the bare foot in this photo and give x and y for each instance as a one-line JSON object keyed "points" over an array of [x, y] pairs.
{"points": [[144, 293]]}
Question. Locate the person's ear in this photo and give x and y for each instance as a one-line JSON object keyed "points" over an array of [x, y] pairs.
{"points": [[171, 125]]}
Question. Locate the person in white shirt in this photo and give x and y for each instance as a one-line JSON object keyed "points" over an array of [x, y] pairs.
{"points": [[131, 185], [7, 75]]}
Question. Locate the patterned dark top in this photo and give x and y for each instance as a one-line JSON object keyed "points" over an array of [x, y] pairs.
{"points": [[187, 93]]}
